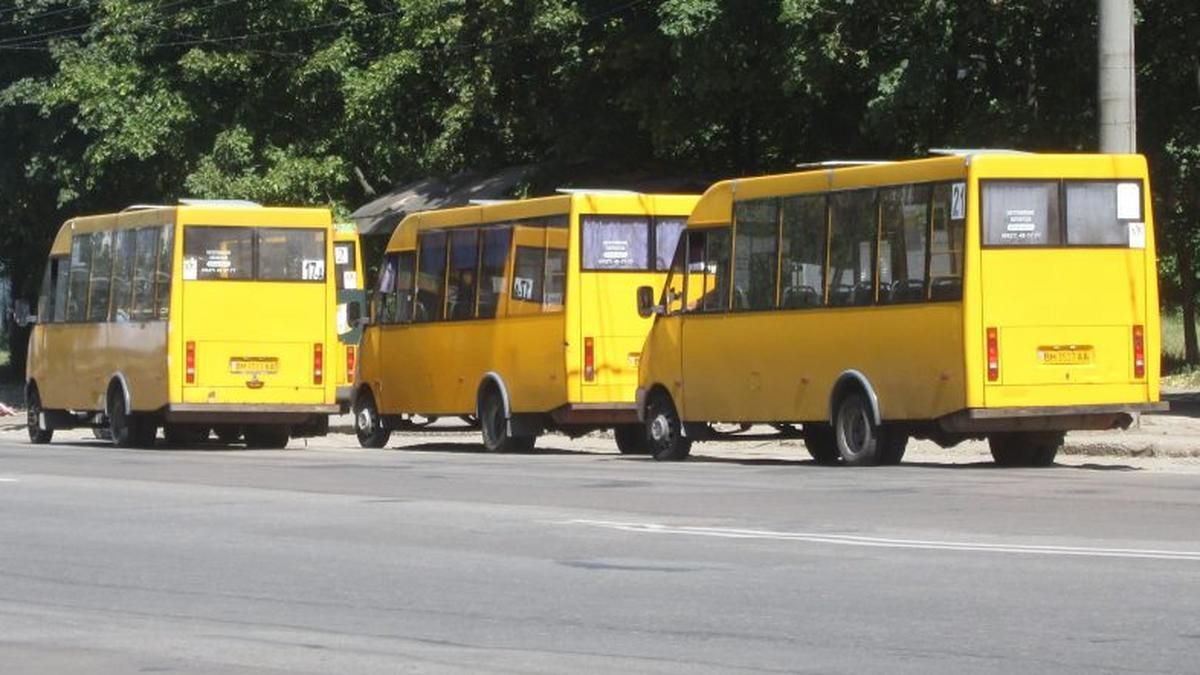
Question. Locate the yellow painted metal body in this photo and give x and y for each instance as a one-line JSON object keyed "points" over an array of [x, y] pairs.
{"points": [[535, 349], [254, 341], [929, 359], [348, 277]]}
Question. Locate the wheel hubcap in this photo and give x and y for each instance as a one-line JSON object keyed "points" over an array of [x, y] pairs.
{"points": [[660, 429], [364, 420]]}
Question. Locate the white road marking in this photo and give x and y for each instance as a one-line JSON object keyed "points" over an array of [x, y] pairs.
{"points": [[9, 480], [887, 542]]}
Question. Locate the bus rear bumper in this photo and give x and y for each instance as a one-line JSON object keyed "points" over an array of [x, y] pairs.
{"points": [[233, 413], [1047, 418]]}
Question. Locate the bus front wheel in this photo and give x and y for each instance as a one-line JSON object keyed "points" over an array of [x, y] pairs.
{"points": [[33, 419], [368, 425], [1028, 448], [494, 426], [664, 430], [631, 439]]}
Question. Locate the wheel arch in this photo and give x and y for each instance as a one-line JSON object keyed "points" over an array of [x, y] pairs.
{"points": [[850, 380], [492, 379], [359, 390], [118, 379], [644, 396]]}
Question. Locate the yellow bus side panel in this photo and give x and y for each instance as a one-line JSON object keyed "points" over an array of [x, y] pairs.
{"points": [[782, 366], [88, 355], [437, 368]]}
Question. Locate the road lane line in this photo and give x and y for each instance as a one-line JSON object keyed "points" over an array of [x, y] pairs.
{"points": [[890, 542], [9, 480]]}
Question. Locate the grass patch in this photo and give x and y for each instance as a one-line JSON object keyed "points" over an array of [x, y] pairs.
{"points": [[1176, 373]]}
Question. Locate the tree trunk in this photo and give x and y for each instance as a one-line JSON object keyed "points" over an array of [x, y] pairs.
{"points": [[1187, 302]]}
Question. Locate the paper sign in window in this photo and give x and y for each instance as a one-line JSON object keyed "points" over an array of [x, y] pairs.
{"points": [[1129, 201]]}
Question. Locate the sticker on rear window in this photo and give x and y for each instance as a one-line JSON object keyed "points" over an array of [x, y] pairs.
{"points": [[189, 269], [958, 201], [1129, 201], [1137, 235], [312, 270], [341, 255], [350, 279]]}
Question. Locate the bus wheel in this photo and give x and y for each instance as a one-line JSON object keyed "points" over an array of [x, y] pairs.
{"points": [[368, 425], [33, 416], [892, 446], [1030, 448], [127, 430], [631, 439], [267, 436], [664, 430], [185, 434], [821, 444], [860, 441], [494, 426], [228, 433]]}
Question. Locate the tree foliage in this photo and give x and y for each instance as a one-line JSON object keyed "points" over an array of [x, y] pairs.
{"points": [[109, 102]]}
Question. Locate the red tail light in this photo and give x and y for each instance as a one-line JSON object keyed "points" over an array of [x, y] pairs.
{"points": [[993, 355], [190, 364], [589, 359], [350, 359], [318, 363], [1139, 352]]}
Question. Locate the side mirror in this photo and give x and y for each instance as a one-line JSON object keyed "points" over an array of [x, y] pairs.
{"points": [[22, 314], [645, 302]]}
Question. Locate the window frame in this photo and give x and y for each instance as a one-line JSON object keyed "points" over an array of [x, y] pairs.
{"points": [[1061, 195]]}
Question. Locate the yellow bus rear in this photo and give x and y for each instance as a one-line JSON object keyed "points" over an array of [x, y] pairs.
{"points": [[201, 318], [351, 299]]}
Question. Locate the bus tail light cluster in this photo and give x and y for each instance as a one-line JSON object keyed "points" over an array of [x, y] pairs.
{"points": [[993, 355], [318, 363], [350, 363], [190, 363], [1139, 351], [589, 359]]}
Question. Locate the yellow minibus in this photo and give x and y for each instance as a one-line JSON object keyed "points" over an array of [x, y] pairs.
{"points": [[999, 295], [519, 313], [204, 317]]}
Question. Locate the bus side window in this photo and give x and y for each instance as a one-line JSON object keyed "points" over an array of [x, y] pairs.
{"points": [[46, 295], [756, 224], [461, 287], [672, 297], [122, 293], [716, 271], [431, 277], [77, 294], [60, 285], [667, 231], [101, 272], [903, 222], [695, 284], [803, 252], [162, 277], [852, 248], [945, 247], [145, 257], [492, 263], [404, 287]]}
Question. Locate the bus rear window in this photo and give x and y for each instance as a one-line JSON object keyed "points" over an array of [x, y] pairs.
{"points": [[253, 253], [1062, 213], [616, 243]]}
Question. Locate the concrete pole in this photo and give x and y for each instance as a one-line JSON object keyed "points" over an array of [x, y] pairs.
{"points": [[1118, 110]]}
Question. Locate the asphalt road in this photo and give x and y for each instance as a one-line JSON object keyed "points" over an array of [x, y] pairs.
{"points": [[436, 558]]}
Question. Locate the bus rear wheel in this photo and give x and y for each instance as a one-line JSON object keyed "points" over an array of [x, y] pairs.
{"points": [[494, 426], [267, 436], [368, 425], [1025, 448], [664, 430], [125, 429], [860, 441], [33, 419], [631, 439]]}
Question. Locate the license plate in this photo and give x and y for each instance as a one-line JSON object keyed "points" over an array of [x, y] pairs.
{"points": [[1068, 356], [254, 365]]}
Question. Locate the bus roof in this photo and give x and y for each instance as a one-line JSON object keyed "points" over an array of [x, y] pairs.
{"points": [[597, 201], [220, 214]]}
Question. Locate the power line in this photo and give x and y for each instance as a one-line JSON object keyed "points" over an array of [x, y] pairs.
{"points": [[42, 15], [79, 29]]}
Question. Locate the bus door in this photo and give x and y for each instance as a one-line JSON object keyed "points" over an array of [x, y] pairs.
{"points": [[1063, 277], [254, 320], [351, 304]]}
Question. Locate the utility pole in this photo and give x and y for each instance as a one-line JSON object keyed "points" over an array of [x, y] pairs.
{"points": [[1118, 109]]}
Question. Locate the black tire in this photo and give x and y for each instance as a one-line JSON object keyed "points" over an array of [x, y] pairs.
{"points": [[185, 434], [33, 415], [821, 443], [494, 427], [664, 430], [102, 433], [267, 436], [893, 443], [228, 433], [368, 425], [1025, 449], [631, 439], [860, 441]]}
